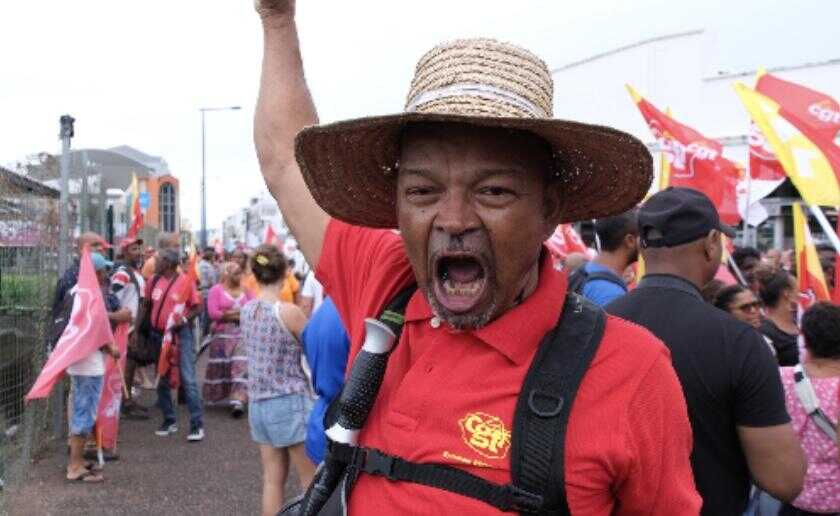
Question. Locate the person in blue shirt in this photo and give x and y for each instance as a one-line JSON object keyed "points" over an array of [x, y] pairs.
{"points": [[619, 249], [326, 345]]}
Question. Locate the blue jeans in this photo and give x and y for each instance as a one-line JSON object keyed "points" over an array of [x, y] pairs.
{"points": [[194, 403]]}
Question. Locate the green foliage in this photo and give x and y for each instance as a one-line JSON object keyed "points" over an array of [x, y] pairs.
{"points": [[25, 290]]}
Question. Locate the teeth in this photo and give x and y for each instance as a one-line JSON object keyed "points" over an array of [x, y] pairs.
{"points": [[461, 289]]}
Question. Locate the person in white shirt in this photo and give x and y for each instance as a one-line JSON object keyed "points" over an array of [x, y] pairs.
{"points": [[86, 377], [312, 294], [128, 285]]}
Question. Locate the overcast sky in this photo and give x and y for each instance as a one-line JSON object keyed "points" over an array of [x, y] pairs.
{"points": [[136, 73]]}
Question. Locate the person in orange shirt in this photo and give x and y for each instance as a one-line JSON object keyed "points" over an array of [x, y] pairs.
{"points": [[164, 241], [289, 293]]}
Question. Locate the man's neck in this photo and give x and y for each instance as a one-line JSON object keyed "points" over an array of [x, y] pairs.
{"points": [[692, 276], [615, 262]]}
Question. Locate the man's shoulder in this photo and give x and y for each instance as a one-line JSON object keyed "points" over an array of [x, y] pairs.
{"points": [[625, 340]]}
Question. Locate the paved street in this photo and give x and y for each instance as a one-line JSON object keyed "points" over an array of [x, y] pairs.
{"points": [[155, 475]]}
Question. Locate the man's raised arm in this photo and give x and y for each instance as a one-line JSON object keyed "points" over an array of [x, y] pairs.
{"points": [[285, 107]]}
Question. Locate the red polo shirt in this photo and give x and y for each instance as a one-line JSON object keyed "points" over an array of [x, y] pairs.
{"points": [[448, 396]]}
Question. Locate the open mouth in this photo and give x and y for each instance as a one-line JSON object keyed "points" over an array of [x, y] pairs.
{"points": [[460, 282]]}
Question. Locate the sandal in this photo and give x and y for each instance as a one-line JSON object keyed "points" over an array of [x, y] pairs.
{"points": [[88, 477]]}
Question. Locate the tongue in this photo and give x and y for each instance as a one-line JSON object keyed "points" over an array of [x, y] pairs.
{"points": [[463, 271]]}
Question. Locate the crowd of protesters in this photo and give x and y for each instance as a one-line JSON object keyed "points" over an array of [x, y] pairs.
{"points": [[251, 312]]}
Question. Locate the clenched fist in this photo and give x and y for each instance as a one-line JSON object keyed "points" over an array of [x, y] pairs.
{"points": [[272, 8]]}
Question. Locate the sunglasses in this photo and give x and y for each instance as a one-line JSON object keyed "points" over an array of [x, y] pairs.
{"points": [[749, 307]]}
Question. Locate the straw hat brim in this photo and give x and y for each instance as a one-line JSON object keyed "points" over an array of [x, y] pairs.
{"points": [[349, 165]]}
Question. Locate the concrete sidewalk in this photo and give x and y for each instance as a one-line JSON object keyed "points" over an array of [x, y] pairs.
{"points": [[156, 475]]}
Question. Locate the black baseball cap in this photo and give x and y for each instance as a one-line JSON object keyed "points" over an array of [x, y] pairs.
{"points": [[676, 216]]}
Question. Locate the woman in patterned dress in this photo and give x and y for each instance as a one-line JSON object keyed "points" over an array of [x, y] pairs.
{"points": [[821, 492], [227, 367], [278, 390]]}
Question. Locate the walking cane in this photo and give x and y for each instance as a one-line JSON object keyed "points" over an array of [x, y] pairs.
{"points": [[354, 402]]}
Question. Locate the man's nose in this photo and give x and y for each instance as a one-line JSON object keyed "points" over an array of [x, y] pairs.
{"points": [[456, 215]]}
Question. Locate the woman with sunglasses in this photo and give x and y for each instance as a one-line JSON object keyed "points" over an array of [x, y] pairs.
{"points": [[740, 301]]}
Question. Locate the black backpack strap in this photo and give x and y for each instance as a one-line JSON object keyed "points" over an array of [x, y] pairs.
{"points": [[545, 402], [606, 276], [374, 462]]}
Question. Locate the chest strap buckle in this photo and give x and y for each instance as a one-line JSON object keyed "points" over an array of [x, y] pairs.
{"points": [[378, 463]]}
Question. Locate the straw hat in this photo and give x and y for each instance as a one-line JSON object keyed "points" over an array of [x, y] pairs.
{"points": [[351, 166]]}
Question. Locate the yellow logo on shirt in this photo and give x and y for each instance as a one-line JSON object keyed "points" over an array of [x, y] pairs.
{"points": [[485, 435]]}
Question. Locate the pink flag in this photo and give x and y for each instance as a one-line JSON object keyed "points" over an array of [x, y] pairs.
{"points": [[87, 330], [108, 413], [564, 241]]}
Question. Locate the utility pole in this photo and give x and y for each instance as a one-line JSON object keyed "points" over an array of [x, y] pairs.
{"points": [[203, 238], [66, 134]]}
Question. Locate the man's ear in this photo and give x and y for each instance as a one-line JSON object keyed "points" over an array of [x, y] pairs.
{"points": [[713, 246], [553, 206], [631, 241]]}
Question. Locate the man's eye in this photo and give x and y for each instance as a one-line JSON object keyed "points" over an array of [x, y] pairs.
{"points": [[495, 191], [418, 191]]}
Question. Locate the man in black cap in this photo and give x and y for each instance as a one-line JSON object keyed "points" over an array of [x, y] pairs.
{"points": [[730, 380]]}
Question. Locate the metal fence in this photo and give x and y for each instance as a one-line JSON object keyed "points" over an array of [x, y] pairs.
{"points": [[28, 271]]}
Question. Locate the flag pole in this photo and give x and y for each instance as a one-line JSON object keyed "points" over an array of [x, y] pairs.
{"points": [[745, 239], [826, 227], [738, 274]]}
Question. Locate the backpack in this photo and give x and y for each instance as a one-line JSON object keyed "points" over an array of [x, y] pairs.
{"points": [[579, 277], [59, 319], [539, 427]]}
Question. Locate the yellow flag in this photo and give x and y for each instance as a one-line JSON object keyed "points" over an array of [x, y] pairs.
{"points": [[808, 269], [804, 163]]}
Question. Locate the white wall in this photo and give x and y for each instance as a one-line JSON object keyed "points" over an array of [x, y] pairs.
{"points": [[679, 72]]}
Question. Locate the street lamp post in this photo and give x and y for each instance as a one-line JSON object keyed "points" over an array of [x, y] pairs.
{"points": [[203, 238]]}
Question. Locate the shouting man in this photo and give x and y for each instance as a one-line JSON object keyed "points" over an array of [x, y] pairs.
{"points": [[475, 175]]}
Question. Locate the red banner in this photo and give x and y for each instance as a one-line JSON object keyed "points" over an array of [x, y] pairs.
{"points": [[108, 413], [87, 331], [695, 161]]}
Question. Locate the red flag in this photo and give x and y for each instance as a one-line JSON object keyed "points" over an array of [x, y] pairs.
{"points": [[695, 161], [815, 114], [108, 413], [87, 330], [272, 238], [136, 212], [564, 241], [836, 295], [764, 165], [169, 356]]}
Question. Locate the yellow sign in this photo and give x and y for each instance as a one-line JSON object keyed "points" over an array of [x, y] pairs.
{"points": [[485, 435]]}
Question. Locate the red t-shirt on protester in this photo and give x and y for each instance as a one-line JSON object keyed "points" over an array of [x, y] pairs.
{"points": [[173, 298], [448, 397]]}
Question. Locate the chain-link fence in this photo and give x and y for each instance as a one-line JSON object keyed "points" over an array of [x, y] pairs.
{"points": [[29, 238]]}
